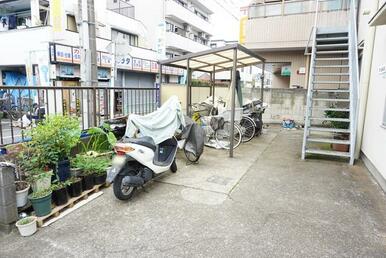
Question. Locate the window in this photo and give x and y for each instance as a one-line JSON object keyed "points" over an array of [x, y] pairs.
{"points": [[119, 36], [71, 23]]}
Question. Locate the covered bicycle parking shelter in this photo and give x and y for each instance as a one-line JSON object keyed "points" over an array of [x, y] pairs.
{"points": [[227, 58]]}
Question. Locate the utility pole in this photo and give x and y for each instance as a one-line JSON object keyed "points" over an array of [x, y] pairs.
{"points": [[88, 66]]}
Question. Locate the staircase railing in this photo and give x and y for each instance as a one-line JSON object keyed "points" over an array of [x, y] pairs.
{"points": [[310, 81], [354, 77]]}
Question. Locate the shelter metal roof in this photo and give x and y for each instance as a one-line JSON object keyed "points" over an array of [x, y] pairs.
{"points": [[220, 59]]}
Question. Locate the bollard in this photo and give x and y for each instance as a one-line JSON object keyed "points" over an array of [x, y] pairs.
{"points": [[8, 208]]}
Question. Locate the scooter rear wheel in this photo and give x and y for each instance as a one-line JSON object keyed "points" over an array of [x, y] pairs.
{"points": [[121, 191]]}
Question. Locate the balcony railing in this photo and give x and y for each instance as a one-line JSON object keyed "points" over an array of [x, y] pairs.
{"points": [[193, 11], [185, 34], [121, 7], [291, 7], [19, 103]]}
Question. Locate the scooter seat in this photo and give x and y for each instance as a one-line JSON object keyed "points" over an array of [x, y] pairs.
{"points": [[143, 141]]}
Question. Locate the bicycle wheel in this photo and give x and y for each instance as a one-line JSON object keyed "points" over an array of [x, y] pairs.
{"points": [[223, 136], [248, 128]]}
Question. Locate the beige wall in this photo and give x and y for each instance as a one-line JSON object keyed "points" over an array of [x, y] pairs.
{"points": [[290, 31], [297, 60], [199, 94]]}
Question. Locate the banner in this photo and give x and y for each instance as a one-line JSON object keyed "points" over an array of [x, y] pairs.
{"points": [[56, 12]]}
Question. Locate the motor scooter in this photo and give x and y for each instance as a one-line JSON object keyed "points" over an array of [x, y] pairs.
{"points": [[138, 161]]}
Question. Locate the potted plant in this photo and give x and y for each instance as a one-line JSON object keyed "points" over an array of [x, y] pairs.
{"points": [[339, 125], [27, 226], [100, 140], [56, 136], [100, 169], [41, 202], [59, 193], [74, 186], [85, 163], [22, 188]]}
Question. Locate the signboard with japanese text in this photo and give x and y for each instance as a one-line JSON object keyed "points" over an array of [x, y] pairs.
{"points": [[63, 54], [146, 65], [137, 64]]}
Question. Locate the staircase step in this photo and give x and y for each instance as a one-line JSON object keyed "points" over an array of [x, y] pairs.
{"points": [[331, 74], [331, 90], [331, 119], [332, 52], [331, 46], [329, 129], [328, 153], [333, 109], [331, 66], [331, 59], [328, 140], [332, 39], [332, 100], [331, 82]]}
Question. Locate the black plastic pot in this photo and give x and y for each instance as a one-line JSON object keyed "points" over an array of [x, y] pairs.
{"points": [[87, 182], [60, 196], [63, 171], [75, 189], [100, 179]]}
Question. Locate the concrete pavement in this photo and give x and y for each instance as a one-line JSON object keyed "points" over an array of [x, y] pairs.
{"points": [[266, 203]]}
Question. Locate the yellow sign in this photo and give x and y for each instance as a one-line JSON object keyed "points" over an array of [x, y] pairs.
{"points": [[243, 22], [56, 12]]}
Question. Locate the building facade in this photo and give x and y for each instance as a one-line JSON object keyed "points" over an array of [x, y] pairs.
{"points": [[272, 28]]}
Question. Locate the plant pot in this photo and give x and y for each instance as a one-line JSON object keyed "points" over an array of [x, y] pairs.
{"points": [[63, 171], [340, 147], [75, 172], [60, 196], [100, 179], [42, 206], [22, 195], [42, 184], [75, 189], [27, 229], [87, 182]]}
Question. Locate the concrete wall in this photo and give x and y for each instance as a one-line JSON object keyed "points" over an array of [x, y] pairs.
{"points": [[374, 135], [282, 103]]}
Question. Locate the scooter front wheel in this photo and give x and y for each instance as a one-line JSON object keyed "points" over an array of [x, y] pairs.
{"points": [[122, 191]]}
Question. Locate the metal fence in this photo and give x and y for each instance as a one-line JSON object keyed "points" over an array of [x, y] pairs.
{"points": [[22, 107]]}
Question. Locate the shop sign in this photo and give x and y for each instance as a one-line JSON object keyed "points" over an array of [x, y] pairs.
{"points": [[63, 54], [106, 59], [125, 62], [68, 71], [146, 65], [103, 74], [154, 67], [76, 55], [137, 64]]}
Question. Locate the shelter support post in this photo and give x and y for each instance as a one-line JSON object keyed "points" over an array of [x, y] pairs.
{"points": [[213, 83], [262, 87], [233, 93], [159, 84], [188, 85]]}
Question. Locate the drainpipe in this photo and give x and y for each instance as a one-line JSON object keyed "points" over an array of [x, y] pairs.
{"points": [[365, 81]]}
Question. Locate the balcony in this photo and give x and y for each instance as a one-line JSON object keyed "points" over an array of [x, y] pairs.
{"points": [[181, 43], [121, 7], [179, 13], [276, 25]]}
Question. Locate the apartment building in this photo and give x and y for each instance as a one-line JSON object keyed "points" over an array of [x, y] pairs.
{"points": [[280, 30], [52, 54], [372, 113]]}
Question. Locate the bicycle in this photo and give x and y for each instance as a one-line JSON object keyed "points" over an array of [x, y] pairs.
{"points": [[217, 129]]}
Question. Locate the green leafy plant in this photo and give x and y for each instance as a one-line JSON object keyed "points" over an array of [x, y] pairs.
{"points": [[101, 139], [25, 221], [73, 180], [54, 138], [91, 165], [40, 194], [59, 185], [338, 114]]}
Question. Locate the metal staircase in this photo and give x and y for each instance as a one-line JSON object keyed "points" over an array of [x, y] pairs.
{"points": [[332, 89]]}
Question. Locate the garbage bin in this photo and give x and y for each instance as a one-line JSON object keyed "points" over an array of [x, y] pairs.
{"points": [[8, 207]]}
